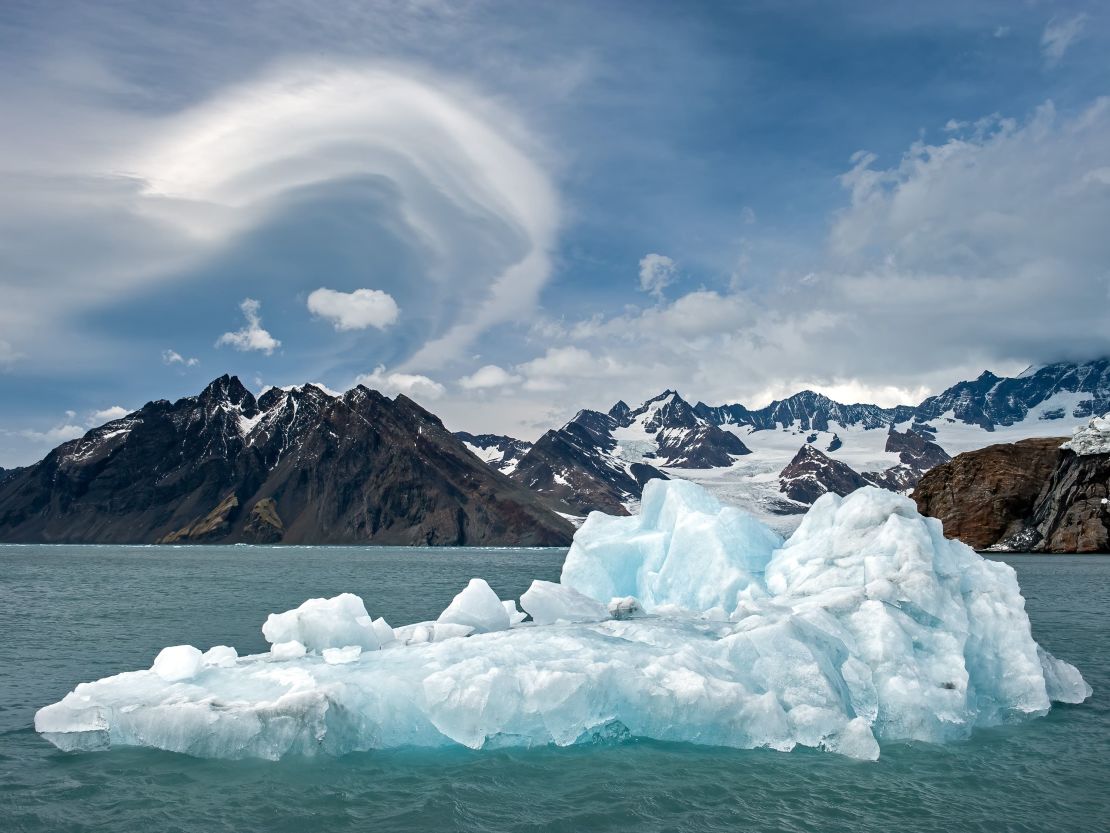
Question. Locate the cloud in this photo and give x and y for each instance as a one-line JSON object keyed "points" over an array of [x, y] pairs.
{"points": [[171, 357], [1059, 35], [57, 435], [8, 354], [252, 336], [416, 387], [107, 415], [561, 365], [489, 376], [354, 310], [657, 272], [982, 250], [148, 196]]}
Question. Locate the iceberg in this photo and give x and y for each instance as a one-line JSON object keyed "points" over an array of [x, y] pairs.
{"points": [[688, 622]]}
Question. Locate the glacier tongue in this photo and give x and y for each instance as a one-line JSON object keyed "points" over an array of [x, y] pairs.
{"points": [[866, 626]]}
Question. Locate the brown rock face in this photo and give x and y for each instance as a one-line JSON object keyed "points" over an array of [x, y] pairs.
{"points": [[986, 495], [1073, 511]]}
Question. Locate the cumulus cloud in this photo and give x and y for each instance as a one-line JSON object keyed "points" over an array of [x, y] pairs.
{"points": [[413, 385], [489, 376], [172, 357], [1059, 35], [657, 272], [354, 310], [561, 365], [107, 415], [63, 432], [983, 250], [252, 336]]}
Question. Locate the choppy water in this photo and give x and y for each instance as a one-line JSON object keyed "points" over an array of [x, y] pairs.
{"points": [[72, 614]]}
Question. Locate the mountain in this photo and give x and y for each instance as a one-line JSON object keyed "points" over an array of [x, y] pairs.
{"points": [[668, 429], [812, 474], [293, 465], [497, 450], [990, 401], [579, 466], [6, 473]]}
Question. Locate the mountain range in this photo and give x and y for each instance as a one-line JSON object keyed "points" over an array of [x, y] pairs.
{"points": [[776, 460], [301, 465]]}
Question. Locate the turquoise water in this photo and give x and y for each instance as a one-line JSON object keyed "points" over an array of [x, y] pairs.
{"points": [[72, 614]]}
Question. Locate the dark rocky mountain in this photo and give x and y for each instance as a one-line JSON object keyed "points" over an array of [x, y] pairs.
{"points": [[811, 474], [576, 466], [295, 466], [986, 495], [497, 450], [6, 473], [992, 400], [917, 453]]}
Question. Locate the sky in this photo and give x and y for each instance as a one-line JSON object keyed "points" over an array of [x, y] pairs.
{"points": [[509, 211]]}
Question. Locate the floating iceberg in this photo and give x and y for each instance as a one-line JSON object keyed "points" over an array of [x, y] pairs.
{"points": [[689, 622]]}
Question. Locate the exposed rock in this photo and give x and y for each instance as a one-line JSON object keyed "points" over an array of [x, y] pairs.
{"points": [[987, 495], [1073, 511], [216, 524], [811, 474], [264, 525], [356, 468]]}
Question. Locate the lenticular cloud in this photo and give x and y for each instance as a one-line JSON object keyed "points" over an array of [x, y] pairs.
{"points": [[689, 622]]}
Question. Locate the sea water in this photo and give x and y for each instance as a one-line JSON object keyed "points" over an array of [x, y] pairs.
{"points": [[69, 614]]}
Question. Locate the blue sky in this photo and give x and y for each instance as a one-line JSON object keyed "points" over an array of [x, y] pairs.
{"points": [[513, 210]]}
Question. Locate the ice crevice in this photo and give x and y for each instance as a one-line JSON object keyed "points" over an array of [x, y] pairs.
{"points": [[688, 622]]}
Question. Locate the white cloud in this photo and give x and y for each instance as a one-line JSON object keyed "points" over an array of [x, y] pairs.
{"points": [[416, 387], [57, 435], [354, 310], [8, 354], [252, 336], [171, 357], [489, 376], [1059, 35], [560, 365], [657, 272], [107, 415]]}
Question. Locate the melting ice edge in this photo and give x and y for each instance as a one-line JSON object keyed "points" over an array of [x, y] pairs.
{"points": [[688, 622]]}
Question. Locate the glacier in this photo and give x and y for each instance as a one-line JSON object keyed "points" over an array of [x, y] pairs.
{"points": [[690, 622]]}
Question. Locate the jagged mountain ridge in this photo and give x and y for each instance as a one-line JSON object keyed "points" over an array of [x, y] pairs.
{"points": [[293, 465]]}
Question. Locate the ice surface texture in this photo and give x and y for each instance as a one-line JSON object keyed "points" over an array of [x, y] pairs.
{"points": [[689, 622]]}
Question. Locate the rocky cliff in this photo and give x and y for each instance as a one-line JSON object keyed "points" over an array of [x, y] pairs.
{"points": [[987, 495]]}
